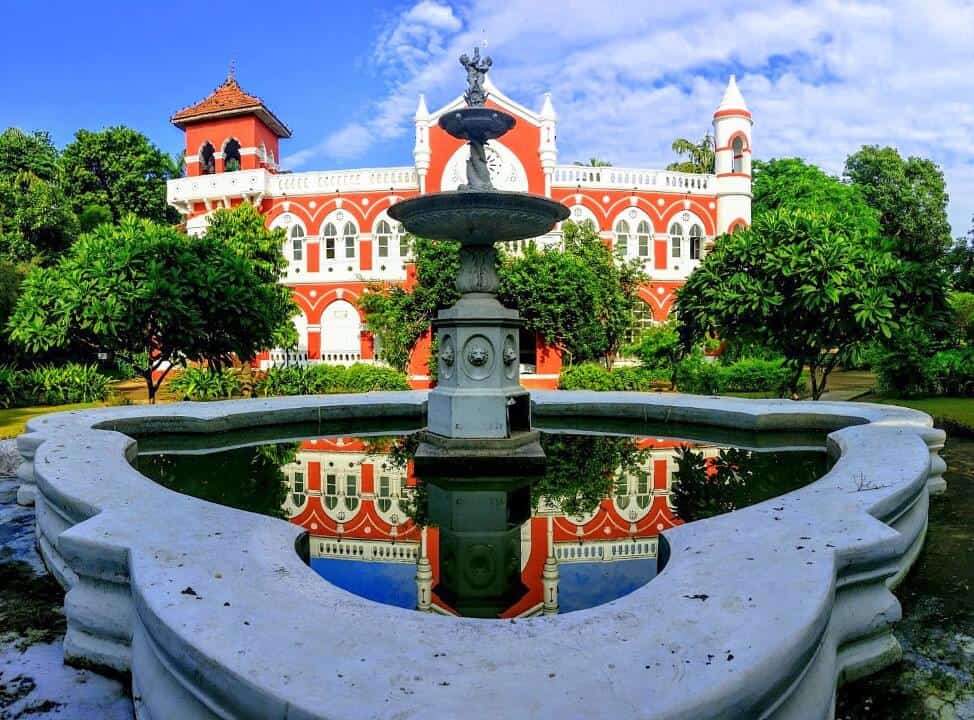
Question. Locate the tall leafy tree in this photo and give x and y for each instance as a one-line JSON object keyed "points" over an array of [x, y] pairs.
{"points": [[119, 169], [910, 196], [960, 262], [11, 277], [793, 184], [695, 156], [800, 282], [242, 229], [150, 296], [35, 216], [579, 296], [28, 152], [397, 316]]}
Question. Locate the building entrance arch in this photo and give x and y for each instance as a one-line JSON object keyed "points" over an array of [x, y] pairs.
{"points": [[341, 329]]}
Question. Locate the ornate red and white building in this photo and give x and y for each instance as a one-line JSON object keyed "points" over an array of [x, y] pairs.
{"points": [[341, 239]]}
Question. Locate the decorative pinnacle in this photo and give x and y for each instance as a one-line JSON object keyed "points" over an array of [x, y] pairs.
{"points": [[476, 68], [230, 73]]}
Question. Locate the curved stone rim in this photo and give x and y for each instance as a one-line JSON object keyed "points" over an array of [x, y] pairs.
{"points": [[796, 588]]}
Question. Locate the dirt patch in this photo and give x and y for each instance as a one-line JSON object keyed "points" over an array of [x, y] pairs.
{"points": [[30, 605]]}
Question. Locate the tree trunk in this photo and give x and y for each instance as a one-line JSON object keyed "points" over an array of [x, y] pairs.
{"points": [[150, 387]]}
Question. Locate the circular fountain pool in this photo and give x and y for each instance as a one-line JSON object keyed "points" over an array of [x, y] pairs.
{"points": [[758, 612], [583, 533]]}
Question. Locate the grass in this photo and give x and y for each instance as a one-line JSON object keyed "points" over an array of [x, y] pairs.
{"points": [[13, 421], [954, 414]]}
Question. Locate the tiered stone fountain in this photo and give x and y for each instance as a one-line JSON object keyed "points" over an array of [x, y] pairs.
{"points": [[478, 412]]}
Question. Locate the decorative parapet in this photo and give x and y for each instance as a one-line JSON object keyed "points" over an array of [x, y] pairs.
{"points": [[369, 179], [182, 193], [758, 613], [256, 184], [616, 178]]}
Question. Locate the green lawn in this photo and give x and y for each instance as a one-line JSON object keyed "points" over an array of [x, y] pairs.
{"points": [[14, 420], [954, 414]]}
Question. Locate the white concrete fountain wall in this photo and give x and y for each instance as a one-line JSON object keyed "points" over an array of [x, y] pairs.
{"points": [[758, 613]]}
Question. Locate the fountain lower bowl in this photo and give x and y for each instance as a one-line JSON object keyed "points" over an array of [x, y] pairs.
{"points": [[479, 217]]}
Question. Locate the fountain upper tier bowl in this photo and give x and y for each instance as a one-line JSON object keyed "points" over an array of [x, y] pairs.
{"points": [[475, 217], [476, 122]]}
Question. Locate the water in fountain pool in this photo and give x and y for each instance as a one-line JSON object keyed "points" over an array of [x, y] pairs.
{"points": [[583, 533]]}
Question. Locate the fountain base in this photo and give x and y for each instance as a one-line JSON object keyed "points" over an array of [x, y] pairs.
{"points": [[517, 455]]}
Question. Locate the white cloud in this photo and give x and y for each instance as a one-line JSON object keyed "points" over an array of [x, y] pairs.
{"points": [[822, 77]]}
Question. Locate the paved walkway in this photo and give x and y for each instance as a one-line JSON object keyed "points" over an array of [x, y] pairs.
{"points": [[845, 385]]}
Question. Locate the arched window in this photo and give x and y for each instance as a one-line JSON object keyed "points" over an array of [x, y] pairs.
{"points": [[330, 234], [351, 492], [349, 236], [330, 495], [383, 235], [676, 240], [207, 161], [384, 500], [231, 155], [696, 240], [622, 238], [297, 243], [642, 319], [737, 147], [404, 244], [297, 497], [643, 234]]}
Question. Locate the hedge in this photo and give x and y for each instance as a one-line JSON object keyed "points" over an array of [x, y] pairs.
{"points": [[201, 384], [52, 385], [591, 376]]}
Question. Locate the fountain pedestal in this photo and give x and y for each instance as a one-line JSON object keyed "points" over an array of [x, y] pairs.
{"points": [[478, 414]]}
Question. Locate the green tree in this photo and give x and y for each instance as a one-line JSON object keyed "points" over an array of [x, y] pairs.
{"points": [[960, 262], [579, 297], [119, 169], [700, 155], [28, 152], [150, 296], [911, 198], [11, 277], [35, 217], [593, 162], [793, 184], [242, 229], [398, 316], [802, 283]]}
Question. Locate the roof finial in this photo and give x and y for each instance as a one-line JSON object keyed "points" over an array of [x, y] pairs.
{"points": [[230, 74]]}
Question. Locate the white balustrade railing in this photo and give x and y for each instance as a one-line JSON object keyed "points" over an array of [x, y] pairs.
{"points": [[631, 179], [217, 186], [606, 550], [286, 358], [374, 550], [396, 178]]}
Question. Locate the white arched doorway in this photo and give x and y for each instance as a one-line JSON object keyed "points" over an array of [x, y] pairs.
{"points": [[340, 332]]}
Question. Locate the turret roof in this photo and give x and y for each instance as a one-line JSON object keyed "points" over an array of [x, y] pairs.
{"points": [[229, 100], [732, 100]]}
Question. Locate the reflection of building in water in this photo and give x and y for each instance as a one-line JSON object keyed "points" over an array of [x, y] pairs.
{"points": [[351, 499]]}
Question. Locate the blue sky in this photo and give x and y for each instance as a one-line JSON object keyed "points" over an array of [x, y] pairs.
{"points": [[822, 77]]}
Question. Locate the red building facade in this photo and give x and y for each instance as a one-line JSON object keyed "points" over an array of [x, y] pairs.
{"points": [[340, 239]]}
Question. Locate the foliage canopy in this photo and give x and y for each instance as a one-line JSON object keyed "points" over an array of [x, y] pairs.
{"points": [[802, 283], [150, 296]]}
